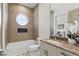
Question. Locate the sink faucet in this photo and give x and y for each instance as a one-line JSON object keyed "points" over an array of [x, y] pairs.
{"points": [[57, 34], [55, 37]]}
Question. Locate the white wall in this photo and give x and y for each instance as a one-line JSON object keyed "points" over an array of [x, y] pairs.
{"points": [[44, 20], [63, 8], [0, 25], [4, 28]]}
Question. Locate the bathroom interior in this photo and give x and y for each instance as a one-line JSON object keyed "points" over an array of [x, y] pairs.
{"points": [[39, 29]]}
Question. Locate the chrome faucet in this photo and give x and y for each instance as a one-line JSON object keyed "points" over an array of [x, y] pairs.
{"points": [[55, 37], [57, 34]]}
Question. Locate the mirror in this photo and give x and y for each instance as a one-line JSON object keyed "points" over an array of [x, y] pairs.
{"points": [[21, 19], [60, 21], [77, 22]]}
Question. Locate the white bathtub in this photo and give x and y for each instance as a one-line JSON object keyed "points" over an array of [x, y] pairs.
{"points": [[18, 48]]}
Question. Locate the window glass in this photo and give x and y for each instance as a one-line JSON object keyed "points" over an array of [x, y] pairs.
{"points": [[21, 19]]}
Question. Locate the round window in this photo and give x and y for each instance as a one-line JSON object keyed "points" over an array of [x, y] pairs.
{"points": [[21, 19]]}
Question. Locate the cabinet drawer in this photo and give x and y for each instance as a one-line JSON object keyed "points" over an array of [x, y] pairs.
{"points": [[61, 52]]}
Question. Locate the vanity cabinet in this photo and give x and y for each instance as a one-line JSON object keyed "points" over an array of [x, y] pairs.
{"points": [[50, 50], [61, 52], [47, 50]]}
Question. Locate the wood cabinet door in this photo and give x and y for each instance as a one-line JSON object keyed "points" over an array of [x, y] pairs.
{"points": [[61, 52], [47, 49]]}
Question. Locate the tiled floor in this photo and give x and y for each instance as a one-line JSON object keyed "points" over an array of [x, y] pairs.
{"points": [[18, 48]]}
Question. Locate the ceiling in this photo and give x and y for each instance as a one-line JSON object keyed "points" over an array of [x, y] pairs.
{"points": [[30, 5]]}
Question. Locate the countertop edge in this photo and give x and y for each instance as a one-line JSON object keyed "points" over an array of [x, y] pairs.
{"points": [[59, 47]]}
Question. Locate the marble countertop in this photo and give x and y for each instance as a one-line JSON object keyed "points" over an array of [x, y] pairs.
{"points": [[64, 45]]}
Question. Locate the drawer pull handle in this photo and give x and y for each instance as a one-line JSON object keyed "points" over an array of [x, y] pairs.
{"points": [[63, 54], [45, 52]]}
